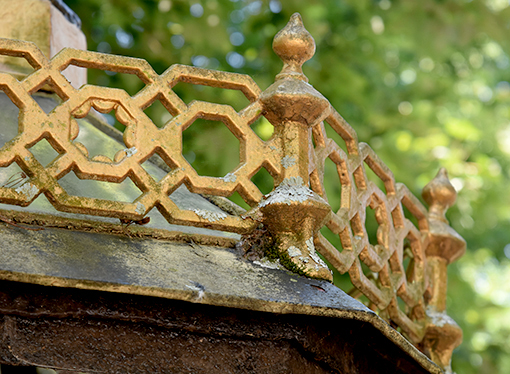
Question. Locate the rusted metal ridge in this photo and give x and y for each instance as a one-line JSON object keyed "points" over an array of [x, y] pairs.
{"points": [[295, 156]]}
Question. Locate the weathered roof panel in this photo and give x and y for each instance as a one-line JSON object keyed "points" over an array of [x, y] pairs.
{"points": [[118, 183], [180, 271]]}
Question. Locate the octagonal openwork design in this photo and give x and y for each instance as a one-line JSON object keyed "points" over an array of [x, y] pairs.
{"points": [[142, 139], [394, 269]]}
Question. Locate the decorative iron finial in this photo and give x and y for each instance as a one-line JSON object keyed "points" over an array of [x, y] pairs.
{"points": [[290, 97], [445, 245], [294, 45], [439, 195], [293, 213]]}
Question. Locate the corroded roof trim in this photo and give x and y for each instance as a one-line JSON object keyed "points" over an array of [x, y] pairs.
{"points": [[408, 262], [205, 274], [39, 220]]}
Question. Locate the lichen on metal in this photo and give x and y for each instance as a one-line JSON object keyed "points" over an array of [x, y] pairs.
{"points": [[293, 213]]}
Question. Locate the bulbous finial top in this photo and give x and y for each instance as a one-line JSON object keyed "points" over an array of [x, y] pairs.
{"points": [[439, 195], [294, 45]]}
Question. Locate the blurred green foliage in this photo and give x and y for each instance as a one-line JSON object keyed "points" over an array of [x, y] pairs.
{"points": [[425, 83]]}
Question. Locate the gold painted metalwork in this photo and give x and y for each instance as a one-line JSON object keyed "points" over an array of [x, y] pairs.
{"points": [[43, 24], [442, 334], [411, 295]]}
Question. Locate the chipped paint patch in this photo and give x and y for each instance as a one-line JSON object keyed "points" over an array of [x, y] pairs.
{"points": [[28, 189], [439, 318], [210, 216], [195, 286], [309, 245], [288, 161], [289, 191], [267, 263], [294, 251], [130, 151], [320, 264], [229, 177], [140, 208]]}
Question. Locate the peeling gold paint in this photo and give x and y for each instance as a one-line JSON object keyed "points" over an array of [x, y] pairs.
{"points": [[293, 212]]}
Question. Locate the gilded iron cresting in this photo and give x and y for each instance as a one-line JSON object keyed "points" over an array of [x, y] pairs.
{"points": [[293, 212]]}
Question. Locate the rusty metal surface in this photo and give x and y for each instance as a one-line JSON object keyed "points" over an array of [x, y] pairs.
{"points": [[184, 271], [110, 333], [293, 212], [442, 334], [181, 271]]}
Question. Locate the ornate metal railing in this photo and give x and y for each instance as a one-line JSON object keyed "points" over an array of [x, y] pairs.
{"points": [[408, 263]]}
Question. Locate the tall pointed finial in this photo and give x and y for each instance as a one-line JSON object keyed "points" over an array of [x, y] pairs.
{"points": [[294, 45], [444, 245], [293, 107], [439, 195]]}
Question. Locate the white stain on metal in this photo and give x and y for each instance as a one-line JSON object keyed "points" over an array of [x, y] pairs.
{"points": [[229, 177], [195, 286], [140, 208], [27, 189], [266, 263], [210, 216], [314, 256], [294, 251], [289, 191], [439, 318], [320, 264], [288, 161], [130, 151], [309, 245]]}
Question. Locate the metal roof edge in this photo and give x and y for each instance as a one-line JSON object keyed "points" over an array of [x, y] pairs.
{"points": [[187, 272]]}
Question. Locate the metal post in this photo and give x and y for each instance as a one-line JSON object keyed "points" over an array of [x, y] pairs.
{"points": [[292, 212], [442, 334]]}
